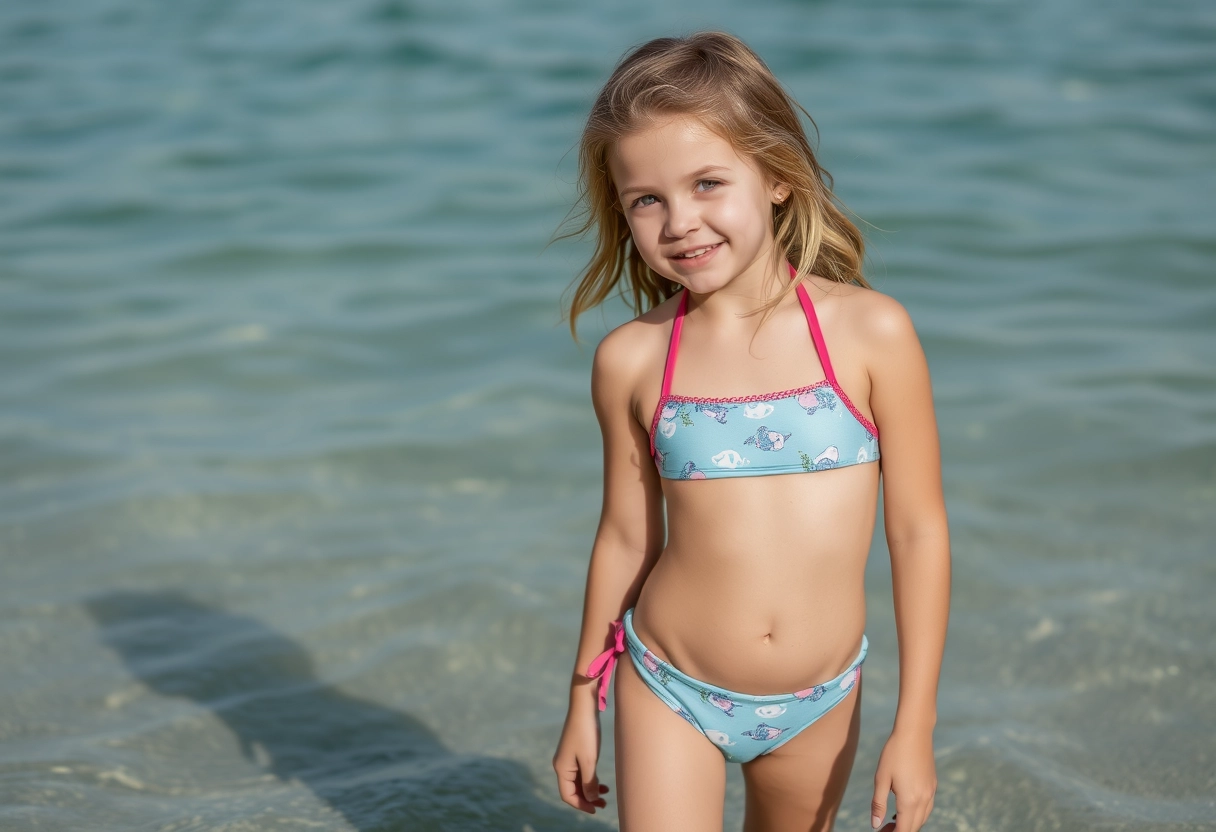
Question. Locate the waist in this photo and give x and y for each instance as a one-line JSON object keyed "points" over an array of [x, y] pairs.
{"points": [[762, 583], [751, 632]]}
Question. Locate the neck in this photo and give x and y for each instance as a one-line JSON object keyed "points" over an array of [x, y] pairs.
{"points": [[751, 289]]}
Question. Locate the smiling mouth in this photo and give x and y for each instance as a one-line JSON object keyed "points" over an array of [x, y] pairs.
{"points": [[688, 255]]}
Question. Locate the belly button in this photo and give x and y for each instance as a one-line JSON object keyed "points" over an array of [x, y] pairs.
{"points": [[767, 636]]}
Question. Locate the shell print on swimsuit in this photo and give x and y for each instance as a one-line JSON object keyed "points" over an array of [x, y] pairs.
{"points": [[803, 430]]}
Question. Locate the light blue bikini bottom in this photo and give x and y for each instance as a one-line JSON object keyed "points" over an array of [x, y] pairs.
{"points": [[742, 726]]}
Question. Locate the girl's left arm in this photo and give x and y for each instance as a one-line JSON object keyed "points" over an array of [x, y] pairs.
{"points": [[914, 509]]}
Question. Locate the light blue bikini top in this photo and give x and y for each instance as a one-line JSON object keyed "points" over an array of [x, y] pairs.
{"points": [[806, 429]]}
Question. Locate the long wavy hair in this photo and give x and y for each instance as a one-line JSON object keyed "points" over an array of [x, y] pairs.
{"points": [[717, 79]]}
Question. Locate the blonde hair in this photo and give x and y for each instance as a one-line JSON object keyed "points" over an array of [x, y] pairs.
{"points": [[715, 78]]}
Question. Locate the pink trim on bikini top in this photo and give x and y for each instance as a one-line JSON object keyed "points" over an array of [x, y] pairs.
{"points": [[602, 665], [821, 349]]}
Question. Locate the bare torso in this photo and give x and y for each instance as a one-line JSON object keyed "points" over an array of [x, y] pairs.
{"points": [[760, 588]]}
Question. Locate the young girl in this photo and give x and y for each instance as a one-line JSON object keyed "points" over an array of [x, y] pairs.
{"points": [[742, 607]]}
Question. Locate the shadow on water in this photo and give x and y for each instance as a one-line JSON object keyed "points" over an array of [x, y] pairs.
{"points": [[379, 768]]}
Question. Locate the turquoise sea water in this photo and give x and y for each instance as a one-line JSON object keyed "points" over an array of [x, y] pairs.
{"points": [[298, 468]]}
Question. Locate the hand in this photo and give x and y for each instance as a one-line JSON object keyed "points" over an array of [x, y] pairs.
{"points": [[905, 767], [577, 752]]}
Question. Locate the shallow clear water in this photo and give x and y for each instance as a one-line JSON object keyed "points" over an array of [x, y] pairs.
{"points": [[298, 468]]}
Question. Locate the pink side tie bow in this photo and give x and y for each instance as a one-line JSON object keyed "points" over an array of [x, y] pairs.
{"points": [[604, 662]]}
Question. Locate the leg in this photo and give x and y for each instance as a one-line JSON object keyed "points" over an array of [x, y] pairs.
{"points": [[668, 775], [799, 785]]}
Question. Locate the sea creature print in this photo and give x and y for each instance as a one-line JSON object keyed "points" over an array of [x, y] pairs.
{"points": [[729, 459], [827, 459], [722, 703], [770, 711], [718, 737], [717, 412], [687, 716], [813, 694], [767, 440], [666, 426], [656, 668], [850, 678], [764, 732], [757, 410], [691, 472], [862, 455], [661, 459], [812, 400]]}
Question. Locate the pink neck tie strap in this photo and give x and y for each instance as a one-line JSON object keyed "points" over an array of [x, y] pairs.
{"points": [[604, 662]]}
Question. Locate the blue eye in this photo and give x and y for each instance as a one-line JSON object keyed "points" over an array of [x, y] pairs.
{"points": [[640, 203]]}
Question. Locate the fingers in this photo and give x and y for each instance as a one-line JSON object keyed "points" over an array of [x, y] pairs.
{"points": [[915, 811], [568, 788], [878, 807], [568, 785], [581, 793], [591, 785], [924, 817]]}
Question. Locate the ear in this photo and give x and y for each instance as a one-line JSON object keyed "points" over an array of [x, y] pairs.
{"points": [[780, 193]]}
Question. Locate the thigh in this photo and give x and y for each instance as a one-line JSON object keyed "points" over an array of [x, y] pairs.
{"points": [[668, 775], [801, 783]]}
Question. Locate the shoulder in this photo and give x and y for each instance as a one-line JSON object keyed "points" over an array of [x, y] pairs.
{"points": [[883, 321], [630, 348], [632, 352], [871, 319]]}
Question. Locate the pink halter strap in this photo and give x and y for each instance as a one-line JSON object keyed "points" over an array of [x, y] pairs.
{"points": [[604, 663], [673, 345], [821, 346], [677, 325]]}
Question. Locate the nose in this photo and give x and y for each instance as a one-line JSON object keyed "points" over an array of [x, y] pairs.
{"points": [[682, 218]]}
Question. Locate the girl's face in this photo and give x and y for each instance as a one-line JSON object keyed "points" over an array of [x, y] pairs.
{"points": [[700, 214]]}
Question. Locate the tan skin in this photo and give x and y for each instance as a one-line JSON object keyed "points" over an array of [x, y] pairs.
{"points": [[760, 588]]}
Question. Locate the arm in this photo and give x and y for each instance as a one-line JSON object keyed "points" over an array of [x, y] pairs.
{"points": [[918, 538], [631, 531], [627, 545]]}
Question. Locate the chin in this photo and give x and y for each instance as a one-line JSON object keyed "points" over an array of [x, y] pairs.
{"points": [[699, 281], [704, 282]]}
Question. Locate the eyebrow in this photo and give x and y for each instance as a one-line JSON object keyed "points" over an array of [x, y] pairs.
{"points": [[696, 174]]}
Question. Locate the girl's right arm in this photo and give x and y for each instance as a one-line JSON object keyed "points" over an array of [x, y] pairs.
{"points": [[627, 545]]}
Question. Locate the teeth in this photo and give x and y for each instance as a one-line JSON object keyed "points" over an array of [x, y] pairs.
{"points": [[697, 253]]}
